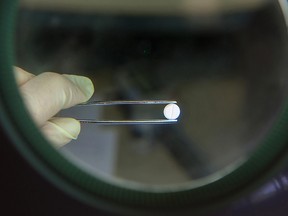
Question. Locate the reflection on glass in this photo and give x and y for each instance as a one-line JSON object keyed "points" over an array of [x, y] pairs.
{"points": [[221, 63]]}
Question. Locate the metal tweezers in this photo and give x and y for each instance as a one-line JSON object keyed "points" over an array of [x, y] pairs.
{"points": [[128, 122]]}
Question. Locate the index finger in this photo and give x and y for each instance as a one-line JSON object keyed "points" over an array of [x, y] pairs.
{"points": [[46, 94]]}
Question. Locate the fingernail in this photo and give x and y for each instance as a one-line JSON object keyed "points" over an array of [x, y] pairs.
{"points": [[84, 83], [67, 126]]}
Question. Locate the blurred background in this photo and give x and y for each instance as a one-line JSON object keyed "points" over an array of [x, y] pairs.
{"points": [[220, 60]]}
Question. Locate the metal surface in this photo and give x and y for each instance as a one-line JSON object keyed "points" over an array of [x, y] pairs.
{"points": [[128, 122]]}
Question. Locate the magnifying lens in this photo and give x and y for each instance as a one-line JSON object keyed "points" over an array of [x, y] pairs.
{"points": [[224, 64]]}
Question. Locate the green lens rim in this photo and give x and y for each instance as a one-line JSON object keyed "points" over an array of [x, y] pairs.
{"points": [[48, 161]]}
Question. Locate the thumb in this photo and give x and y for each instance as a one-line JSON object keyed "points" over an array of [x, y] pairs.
{"points": [[46, 94], [60, 131]]}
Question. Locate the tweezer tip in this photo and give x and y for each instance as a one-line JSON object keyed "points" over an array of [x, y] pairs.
{"points": [[129, 122]]}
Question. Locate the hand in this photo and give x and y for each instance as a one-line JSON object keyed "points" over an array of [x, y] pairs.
{"points": [[46, 94]]}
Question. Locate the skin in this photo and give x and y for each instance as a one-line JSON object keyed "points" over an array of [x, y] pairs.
{"points": [[48, 93]]}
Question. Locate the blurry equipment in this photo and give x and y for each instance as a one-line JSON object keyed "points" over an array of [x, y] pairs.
{"points": [[225, 63]]}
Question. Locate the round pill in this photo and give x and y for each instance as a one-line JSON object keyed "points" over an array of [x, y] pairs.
{"points": [[171, 111]]}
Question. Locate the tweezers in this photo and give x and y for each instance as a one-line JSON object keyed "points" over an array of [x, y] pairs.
{"points": [[128, 122]]}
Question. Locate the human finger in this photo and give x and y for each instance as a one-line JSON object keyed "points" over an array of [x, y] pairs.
{"points": [[46, 94], [22, 76], [60, 131]]}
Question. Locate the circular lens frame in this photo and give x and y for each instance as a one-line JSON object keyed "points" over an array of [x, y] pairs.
{"points": [[263, 163]]}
